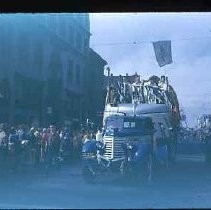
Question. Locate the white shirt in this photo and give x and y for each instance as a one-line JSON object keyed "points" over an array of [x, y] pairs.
{"points": [[2, 136], [99, 136], [163, 85]]}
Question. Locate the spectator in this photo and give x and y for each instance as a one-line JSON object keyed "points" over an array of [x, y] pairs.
{"points": [[3, 135], [99, 136], [66, 142], [44, 143], [53, 144]]}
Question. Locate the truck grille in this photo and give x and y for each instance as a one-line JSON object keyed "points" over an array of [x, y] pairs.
{"points": [[113, 147]]}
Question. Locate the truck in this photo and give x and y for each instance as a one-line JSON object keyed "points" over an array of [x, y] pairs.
{"points": [[140, 124], [154, 98]]}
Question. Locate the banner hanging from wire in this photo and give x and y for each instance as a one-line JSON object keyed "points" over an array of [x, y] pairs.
{"points": [[163, 53]]}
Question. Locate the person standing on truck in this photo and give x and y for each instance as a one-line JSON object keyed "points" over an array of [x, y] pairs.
{"points": [[137, 90], [114, 97], [120, 88], [163, 83], [150, 88], [120, 83], [127, 91]]}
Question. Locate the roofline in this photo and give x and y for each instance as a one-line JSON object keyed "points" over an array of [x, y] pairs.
{"points": [[97, 55]]}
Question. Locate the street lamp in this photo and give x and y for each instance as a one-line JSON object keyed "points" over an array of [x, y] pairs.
{"points": [[49, 110], [49, 114], [108, 70], [108, 75]]}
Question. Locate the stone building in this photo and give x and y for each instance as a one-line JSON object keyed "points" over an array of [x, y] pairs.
{"points": [[95, 100], [43, 67]]}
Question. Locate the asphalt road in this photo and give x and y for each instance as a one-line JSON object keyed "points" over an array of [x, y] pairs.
{"points": [[184, 185]]}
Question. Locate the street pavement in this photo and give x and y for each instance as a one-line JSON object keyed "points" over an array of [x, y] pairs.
{"points": [[187, 184]]}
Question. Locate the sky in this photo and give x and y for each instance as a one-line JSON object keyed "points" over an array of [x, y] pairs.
{"points": [[113, 35]]}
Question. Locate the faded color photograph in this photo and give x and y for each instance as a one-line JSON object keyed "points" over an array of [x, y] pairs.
{"points": [[105, 110]]}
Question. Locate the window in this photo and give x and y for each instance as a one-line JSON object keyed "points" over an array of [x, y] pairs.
{"points": [[79, 41], [70, 70], [82, 77], [71, 34], [113, 123], [129, 124], [86, 44], [45, 20], [4, 39], [23, 47], [4, 88], [51, 20], [62, 27], [38, 57], [78, 74], [55, 64], [132, 124], [19, 91], [56, 23], [126, 124]]}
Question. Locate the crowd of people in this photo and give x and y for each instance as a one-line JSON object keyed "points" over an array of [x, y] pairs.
{"points": [[23, 145], [133, 89]]}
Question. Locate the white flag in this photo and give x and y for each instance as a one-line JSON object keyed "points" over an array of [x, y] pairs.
{"points": [[163, 52]]}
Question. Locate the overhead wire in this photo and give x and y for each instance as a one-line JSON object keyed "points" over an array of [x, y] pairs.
{"points": [[143, 42]]}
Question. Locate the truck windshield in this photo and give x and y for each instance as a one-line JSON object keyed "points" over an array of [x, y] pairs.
{"points": [[114, 123], [128, 125]]}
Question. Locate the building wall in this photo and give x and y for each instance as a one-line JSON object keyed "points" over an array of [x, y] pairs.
{"points": [[43, 63], [95, 99]]}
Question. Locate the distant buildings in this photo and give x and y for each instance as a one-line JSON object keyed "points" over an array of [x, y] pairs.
{"points": [[45, 65]]}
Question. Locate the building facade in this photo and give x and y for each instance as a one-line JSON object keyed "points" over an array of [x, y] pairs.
{"points": [[95, 100], [44, 63]]}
